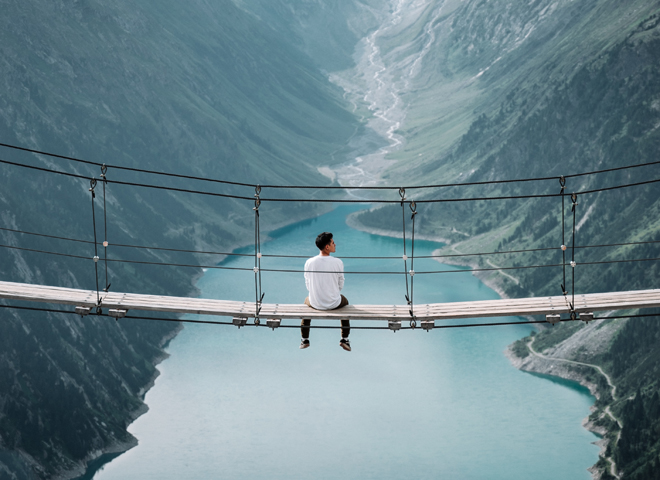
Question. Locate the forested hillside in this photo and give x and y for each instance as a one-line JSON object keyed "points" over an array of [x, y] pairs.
{"points": [[196, 88], [549, 89]]}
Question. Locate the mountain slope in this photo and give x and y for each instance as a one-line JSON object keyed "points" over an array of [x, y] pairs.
{"points": [[200, 88], [542, 89]]}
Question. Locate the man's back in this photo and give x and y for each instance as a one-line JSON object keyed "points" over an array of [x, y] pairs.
{"points": [[323, 287]]}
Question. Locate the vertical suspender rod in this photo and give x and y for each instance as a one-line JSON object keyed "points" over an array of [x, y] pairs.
{"points": [[413, 209], [402, 194], [92, 185], [258, 295], [573, 208], [562, 182], [104, 170]]}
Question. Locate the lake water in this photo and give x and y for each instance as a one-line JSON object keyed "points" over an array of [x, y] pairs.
{"points": [[247, 403]]}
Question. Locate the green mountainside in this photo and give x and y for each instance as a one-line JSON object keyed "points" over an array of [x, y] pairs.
{"points": [[196, 88], [543, 89]]}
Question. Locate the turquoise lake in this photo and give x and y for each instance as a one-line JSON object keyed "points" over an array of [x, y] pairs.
{"points": [[447, 404]]}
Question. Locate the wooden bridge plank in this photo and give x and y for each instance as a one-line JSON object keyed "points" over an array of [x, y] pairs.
{"points": [[436, 311]]}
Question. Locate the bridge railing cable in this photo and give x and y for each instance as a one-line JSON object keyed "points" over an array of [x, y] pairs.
{"points": [[299, 271], [321, 187], [358, 257], [333, 200]]}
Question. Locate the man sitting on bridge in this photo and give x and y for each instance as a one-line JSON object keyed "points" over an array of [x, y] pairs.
{"points": [[324, 278]]}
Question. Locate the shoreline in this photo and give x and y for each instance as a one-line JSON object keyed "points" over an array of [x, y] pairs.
{"points": [[561, 368], [92, 463], [542, 366], [353, 222]]}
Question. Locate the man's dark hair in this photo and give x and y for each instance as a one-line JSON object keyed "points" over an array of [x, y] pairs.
{"points": [[323, 239]]}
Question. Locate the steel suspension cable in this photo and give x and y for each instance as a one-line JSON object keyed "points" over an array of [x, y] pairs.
{"points": [[330, 200], [329, 187], [130, 169], [45, 236], [264, 255], [614, 169], [223, 267], [133, 184]]}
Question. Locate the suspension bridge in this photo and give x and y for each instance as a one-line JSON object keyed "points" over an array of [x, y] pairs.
{"points": [[427, 314], [570, 305]]}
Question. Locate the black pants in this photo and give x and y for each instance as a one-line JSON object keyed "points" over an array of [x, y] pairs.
{"points": [[345, 324]]}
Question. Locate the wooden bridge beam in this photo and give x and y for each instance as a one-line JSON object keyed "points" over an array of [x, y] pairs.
{"points": [[434, 311]]}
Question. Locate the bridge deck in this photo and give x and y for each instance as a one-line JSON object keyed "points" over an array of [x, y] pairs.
{"points": [[433, 311]]}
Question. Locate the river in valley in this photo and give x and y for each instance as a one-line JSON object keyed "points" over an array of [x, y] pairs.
{"points": [[248, 403]]}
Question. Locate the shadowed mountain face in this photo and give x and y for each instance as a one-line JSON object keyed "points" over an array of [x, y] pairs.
{"points": [[198, 88], [155, 83]]}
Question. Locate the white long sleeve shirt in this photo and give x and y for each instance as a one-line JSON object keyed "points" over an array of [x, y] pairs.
{"points": [[324, 288]]}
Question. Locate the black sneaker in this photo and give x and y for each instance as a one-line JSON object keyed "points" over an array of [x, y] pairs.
{"points": [[345, 344], [304, 343]]}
